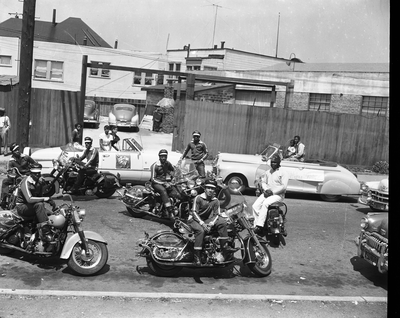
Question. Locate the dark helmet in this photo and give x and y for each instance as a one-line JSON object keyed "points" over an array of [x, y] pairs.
{"points": [[36, 168], [14, 146], [196, 133], [163, 152], [88, 139], [210, 184]]}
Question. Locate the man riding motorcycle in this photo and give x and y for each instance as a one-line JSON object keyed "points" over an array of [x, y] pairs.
{"points": [[274, 185], [91, 155], [206, 214], [20, 161], [30, 201], [162, 172]]}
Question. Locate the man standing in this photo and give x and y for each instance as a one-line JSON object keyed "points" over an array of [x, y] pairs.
{"points": [[162, 172], [274, 185], [204, 215], [300, 149], [76, 136], [91, 155], [19, 161], [199, 153], [30, 201], [4, 127]]}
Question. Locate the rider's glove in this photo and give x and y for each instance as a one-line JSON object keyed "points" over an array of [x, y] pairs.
{"points": [[53, 204], [268, 193]]}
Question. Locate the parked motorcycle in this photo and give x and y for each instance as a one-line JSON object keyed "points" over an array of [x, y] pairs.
{"points": [[64, 174], [86, 251], [11, 196], [144, 200], [168, 252], [274, 226]]}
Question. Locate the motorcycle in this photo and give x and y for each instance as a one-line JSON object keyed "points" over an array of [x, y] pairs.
{"points": [[274, 227], [168, 252], [144, 200], [64, 174], [85, 251], [11, 196]]}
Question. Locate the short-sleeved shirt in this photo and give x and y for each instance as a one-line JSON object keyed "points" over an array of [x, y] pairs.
{"points": [[198, 150]]}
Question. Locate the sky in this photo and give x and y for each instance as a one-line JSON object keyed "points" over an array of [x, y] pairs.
{"points": [[315, 31]]}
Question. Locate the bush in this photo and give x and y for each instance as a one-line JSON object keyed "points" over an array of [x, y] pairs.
{"points": [[381, 167]]}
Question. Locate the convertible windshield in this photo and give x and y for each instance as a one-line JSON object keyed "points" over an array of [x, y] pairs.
{"points": [[134, 144], [269, 151]]}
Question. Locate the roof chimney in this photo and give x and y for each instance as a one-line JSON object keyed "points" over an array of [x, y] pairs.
{"points": [[222, 44], [54, 17], [116, 44], [85, 40]]}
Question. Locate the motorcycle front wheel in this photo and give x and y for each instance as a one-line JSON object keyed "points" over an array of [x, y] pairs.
{"points": [[162, 270], [263, 265], [86, 265]]}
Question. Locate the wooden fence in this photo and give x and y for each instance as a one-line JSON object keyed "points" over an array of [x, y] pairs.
{"points": [[53, 115], [344, 138]]}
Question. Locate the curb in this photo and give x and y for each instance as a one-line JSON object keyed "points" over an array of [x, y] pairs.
{"points": [[361, 299]]}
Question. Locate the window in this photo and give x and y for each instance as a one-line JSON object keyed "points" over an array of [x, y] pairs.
{"points": [[137, 78], [193, 67], [48, 70], [374, 105], [102, 71], [5, 60], [319, 102], [209, 68], [174, 67], [147, 78]]}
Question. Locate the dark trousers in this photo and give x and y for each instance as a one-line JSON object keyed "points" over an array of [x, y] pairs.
{"points": [[166, 193], [87, 171], [31, 210], [201, 169], [5, 185], [199, 232]]}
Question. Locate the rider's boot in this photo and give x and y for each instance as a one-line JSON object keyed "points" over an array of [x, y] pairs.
{"points": [[197, 257], [44, 231], [228, 251]]}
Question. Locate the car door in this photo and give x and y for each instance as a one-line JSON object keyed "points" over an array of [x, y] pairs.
{"points": [[128, 164], [303, 177]]}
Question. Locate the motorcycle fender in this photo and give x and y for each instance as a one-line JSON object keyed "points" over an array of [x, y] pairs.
{"points": [[249, 256], [72, 240]]}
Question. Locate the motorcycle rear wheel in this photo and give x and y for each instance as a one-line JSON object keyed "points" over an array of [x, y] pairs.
{"points": [[162, 270], [102, 192], [143, 209], [263, 265], [94, 263]]}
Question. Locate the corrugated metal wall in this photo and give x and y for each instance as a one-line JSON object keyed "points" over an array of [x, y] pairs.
{"points": [[344, 138]]}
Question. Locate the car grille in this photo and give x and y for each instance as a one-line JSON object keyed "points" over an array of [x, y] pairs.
{"points": [[380, 197], [376, 241]]}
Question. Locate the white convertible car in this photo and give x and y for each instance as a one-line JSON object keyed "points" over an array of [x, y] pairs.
{"points": [[132, 162], [328, 179]]}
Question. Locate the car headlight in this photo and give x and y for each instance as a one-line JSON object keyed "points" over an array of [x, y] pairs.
{"points": [[364, 223], [364, 187]]}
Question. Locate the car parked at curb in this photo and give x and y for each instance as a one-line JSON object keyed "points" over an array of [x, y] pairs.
{"points": [[328, 179], [132, 163], [373, 241], [375, 194], [124, 116], [91, 115]]}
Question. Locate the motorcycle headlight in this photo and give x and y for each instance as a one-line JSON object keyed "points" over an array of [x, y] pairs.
{"points": [[193, 193], [82, 214], [364, 223], [190, 184], [198, 182]]}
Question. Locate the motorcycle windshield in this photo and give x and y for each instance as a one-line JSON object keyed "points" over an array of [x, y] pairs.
{"points": [[237, 206], [260, 173], [186, 170]]}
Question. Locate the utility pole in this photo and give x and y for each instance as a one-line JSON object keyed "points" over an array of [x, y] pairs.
{"points": [[215, 21], [277, 36], [25, 77]]}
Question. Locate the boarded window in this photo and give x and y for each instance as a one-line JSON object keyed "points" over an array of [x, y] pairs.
{"points": [[48, 70], [319, 102], [374, 105]]}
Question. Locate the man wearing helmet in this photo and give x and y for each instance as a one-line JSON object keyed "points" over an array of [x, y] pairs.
{"points": [[274, 185], [19, 161], [89, 168], [199, 153], [204, 215], [30, 200], [162, 172]]}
